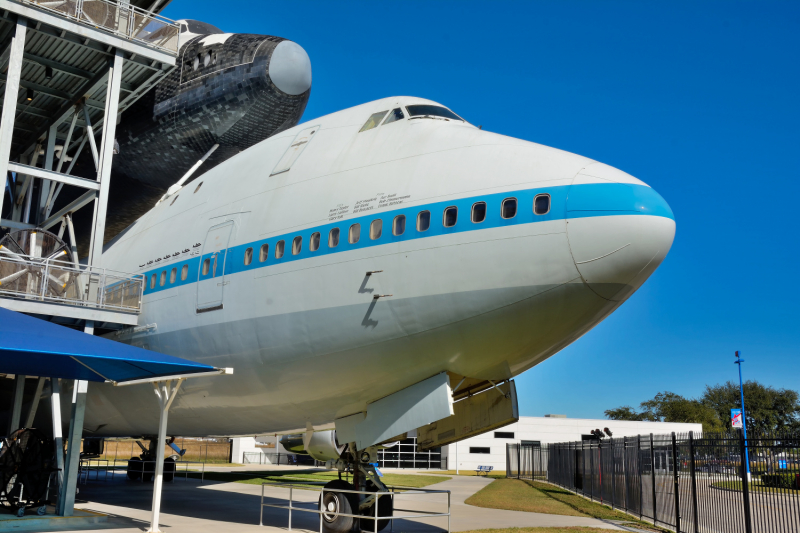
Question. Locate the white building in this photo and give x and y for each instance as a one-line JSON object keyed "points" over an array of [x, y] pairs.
{"points": [[489, 449]]}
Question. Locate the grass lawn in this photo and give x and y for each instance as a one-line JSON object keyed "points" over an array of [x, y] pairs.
{"points": [[312, 477], [752, 487], [496, 474], [538, 497], [544, 530]]}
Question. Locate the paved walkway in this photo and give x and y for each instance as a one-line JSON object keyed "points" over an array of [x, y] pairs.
{"points": [[234, 507]]}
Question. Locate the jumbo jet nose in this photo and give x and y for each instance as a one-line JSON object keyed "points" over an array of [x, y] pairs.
{"points": [[290, 68], [619, 230]]}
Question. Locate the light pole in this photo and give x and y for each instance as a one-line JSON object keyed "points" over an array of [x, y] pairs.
{"points": [[739, 362]]}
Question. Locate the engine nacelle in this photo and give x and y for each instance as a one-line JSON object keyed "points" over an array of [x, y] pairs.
{"points": [[322, 446]]}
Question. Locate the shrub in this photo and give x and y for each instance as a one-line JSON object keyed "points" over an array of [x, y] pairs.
{"points": [[781, 481]]}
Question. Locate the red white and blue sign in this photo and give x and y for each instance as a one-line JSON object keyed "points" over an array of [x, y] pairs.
{"points": [[736, 418]]}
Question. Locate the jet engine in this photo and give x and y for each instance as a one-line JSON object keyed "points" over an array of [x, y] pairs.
{"points": [[322, 446]]}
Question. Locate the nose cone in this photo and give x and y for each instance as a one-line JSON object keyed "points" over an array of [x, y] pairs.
{"points": [[619, 231], [290, 68]]}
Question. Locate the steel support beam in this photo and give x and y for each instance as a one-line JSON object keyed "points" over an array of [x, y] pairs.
{"points": [[73, 206], [16, 51], [16, 409], [106, 156], [54, 176]]}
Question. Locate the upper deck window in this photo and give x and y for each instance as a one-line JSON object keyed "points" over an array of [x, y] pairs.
{"points": [[509, 209], [395, 115], [263, 253], [373, 121], [313, 243], [248, 256], [426, 110], [399, 225], [279, 246], [184, 272], [423, 220], [450, 216], [297, 245], [541, 204], [173, 275], [479, 212], [354, 234], [333, 238], [375, 229]]}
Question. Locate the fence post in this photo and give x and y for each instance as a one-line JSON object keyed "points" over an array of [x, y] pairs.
{"points": [[677, 484], [745, 489], [653, 474], [694, 482], [519, 464], [625, 471]]}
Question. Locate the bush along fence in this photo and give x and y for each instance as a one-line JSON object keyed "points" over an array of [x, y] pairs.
{"points": [[687, 483]]}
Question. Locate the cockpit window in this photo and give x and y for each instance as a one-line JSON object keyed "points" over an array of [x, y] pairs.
{"points": [[373, 121], [424, 110], [395, 115], [200, 28]]}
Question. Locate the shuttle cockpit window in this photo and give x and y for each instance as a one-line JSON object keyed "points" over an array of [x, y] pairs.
{"points": [[394, 116], [297, 245], [509, 209], [431, 111], [399, 225], [423, 221], [333, 238], [376, 229], [263, 253], [450, 216], [313, 243], [200, 28], [354, 234], [373, 121], [248, 256], [541, 204], [279, 249], [479, 212]]}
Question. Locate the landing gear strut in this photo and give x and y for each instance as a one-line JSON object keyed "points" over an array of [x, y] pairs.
{"points": [[366, 477]]}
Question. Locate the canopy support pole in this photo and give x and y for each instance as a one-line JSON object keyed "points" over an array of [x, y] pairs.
{"points": [[166, 392], [35, 403], [16, 409], [58, 442]]}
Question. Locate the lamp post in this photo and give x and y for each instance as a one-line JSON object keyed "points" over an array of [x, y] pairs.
{"points": [[739, 362]]}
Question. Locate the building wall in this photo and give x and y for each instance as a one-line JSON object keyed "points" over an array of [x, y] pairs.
{"points": [[546, 430]]}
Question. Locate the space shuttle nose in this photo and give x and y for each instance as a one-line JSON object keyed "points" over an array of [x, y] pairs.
{"points": [[619, 233], [290, 68]]}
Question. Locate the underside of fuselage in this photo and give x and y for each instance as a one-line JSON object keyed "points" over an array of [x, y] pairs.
{"points": [[322, 330]]}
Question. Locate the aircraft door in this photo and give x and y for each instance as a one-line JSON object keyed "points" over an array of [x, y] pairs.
{"points": [[211, 278]]}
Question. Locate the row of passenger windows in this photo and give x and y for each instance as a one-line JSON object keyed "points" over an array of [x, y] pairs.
{"points": [[508, 209]]}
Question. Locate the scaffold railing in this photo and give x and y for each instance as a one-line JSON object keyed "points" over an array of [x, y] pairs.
{"points": [[119, 18], [52, 281]]}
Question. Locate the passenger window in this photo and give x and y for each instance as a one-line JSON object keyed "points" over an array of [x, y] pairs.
{"points": [[153, 281], [399, 225], [373, 121], [162, 279], [395, 115], [509, 209], [297, 245], [184, 272], [479, 212], [279, 249], [198, 187], [423, 221], [354, 234], [313, 243], [450, 216], [375, 229], [333, 238], [173, 275], [248, 256], [206, 266], [263, 253], [541, 204]]}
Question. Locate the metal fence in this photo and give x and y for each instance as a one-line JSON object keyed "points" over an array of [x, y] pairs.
{"points": [[681, 482], [119, 18]]}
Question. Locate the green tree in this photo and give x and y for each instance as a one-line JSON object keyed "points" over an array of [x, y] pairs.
{"points": [[767, 409], [670, 407]]}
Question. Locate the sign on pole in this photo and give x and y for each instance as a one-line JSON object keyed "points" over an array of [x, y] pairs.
{"points": [[736, 418]]}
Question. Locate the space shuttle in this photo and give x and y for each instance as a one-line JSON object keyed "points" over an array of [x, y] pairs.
{"points": [[228, 92]]}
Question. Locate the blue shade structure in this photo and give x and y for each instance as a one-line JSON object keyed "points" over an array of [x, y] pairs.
{"points": [[33, 347]]}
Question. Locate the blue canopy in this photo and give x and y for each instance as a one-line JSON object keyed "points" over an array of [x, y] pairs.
{"points": [[33, 347]]}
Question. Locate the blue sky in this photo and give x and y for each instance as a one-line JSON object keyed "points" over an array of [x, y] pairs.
{"points": [[700, 100]]}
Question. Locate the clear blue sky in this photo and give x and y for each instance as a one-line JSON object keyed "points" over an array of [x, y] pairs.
{"points": [[700, 100]]}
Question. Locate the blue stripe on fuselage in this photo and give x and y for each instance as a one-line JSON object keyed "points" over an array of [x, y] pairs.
{"points": [[587, 200]]}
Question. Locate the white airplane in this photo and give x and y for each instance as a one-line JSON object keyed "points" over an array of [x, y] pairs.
{"points": [[358, 255]]}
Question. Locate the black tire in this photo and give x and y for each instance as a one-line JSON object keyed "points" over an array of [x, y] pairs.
{"points": [[135, 469], [148, 470], [338, 502], [169, 469], [385, 508]]}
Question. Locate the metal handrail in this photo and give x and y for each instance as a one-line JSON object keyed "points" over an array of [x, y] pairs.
{"points": [[122, 19], [112, 290], [391, 493]]}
